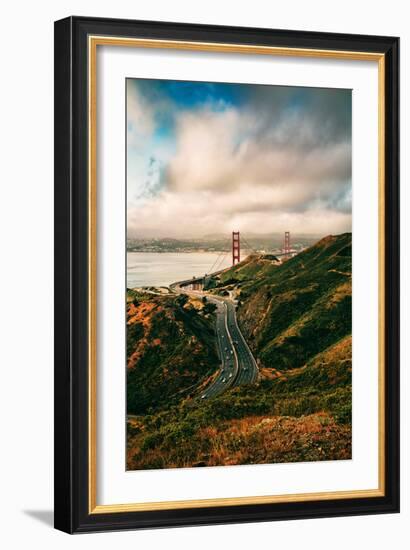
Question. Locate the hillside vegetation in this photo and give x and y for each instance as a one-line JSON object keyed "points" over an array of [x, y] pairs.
{"points": [[170, 349], [305, 415], [300, 308], [296, 316]]}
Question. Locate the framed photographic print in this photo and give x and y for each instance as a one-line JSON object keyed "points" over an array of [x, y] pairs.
{"points": [[226, 274]]}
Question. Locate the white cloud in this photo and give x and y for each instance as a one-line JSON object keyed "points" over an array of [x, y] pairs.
{"points": [[140, 116], [241, 169]]}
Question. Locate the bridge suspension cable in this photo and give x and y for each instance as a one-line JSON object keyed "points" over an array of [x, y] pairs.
{"points": [[223, 253], [219, 265], [248, 245], [216, 266], [211, 270]]}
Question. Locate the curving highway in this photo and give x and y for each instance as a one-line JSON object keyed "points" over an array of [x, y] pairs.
{"points": [[238, 365], [229, 369], [247, 369]]}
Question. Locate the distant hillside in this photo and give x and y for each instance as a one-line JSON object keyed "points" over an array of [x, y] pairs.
{"points": [[214, 242], [170, 349], [291, 312]]}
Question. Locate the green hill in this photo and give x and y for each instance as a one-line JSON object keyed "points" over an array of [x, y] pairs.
{"points": [[170, 349], [304, 415], [301, 307]]}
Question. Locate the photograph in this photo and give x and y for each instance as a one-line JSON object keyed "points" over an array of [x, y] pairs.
{"points": [[238, 303]]}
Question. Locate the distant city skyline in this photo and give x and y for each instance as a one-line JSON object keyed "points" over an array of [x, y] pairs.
{"points": [[210, 158]]}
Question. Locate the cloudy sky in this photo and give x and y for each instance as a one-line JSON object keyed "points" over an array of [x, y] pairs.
{"points": [[206, 158]]}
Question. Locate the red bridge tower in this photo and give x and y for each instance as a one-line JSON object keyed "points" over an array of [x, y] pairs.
{"points": [[286, 247], [236, 248]]}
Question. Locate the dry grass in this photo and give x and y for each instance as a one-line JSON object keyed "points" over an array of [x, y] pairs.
{"points": [[270, 373], [343, 290], [251, 440], [341, 352], [141, 314]]}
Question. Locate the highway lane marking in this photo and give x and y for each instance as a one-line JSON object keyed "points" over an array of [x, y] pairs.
{"points": [[238, 378], [246, 345], [217, 384], [233, 347], [241, 376]]}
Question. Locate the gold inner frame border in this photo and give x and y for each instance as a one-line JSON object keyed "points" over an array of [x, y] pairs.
{"points": [[93, 43]]}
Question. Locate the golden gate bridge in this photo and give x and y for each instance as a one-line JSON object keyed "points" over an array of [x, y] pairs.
{"points": [[285, 252], [197, 282]]}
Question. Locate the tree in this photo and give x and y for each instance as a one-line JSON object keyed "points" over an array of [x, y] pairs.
{"points": [[182, 300], [209, 308]]}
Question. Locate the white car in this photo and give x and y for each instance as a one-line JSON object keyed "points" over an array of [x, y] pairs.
{"points": [[230, 376], [203, 397]]}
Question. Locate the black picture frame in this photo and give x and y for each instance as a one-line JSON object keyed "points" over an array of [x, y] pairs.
{"points": [[71, 492]]}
